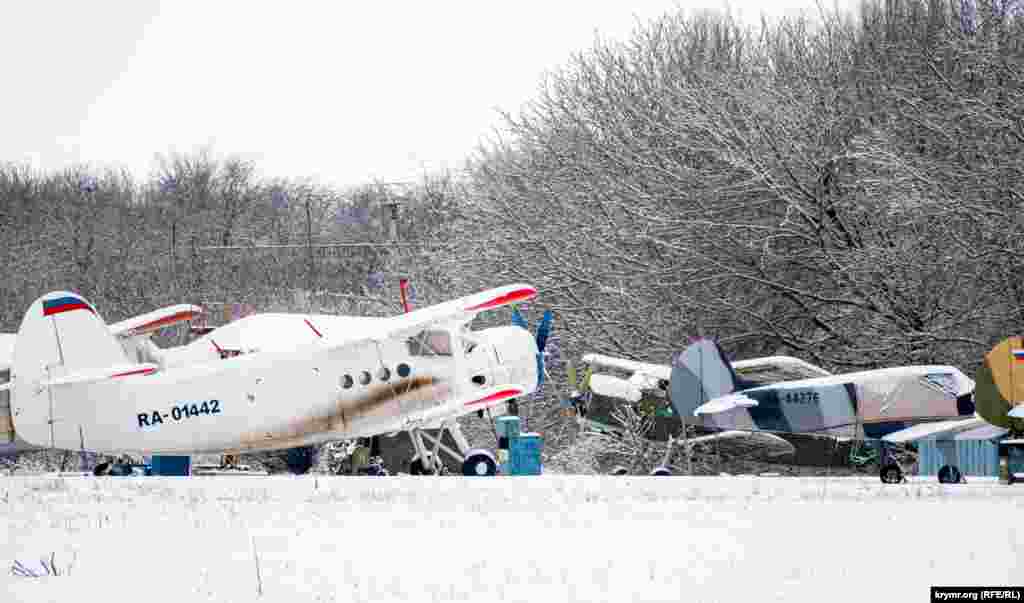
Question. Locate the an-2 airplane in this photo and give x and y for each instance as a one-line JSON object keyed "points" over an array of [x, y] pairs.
{"points": [[749, 401], [265, 382]]}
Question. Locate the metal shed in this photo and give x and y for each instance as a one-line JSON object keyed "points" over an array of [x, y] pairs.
{"points": [[974, 452]]}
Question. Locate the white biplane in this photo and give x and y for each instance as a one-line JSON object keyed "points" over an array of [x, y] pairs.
{"points": [[264, 382]]}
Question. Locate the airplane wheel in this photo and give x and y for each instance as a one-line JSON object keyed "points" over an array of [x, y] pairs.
{"points": [[891, 474], [949, 474], [619, 470], [661, 471], [479, 463], [120, 470], [300, 460]]}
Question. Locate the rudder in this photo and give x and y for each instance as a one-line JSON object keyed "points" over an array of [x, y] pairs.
{"points": [[60, 335], [700, 373]]}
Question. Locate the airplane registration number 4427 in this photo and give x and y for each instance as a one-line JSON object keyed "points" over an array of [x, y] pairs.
{"points": [[802, 397], [179, 413]]}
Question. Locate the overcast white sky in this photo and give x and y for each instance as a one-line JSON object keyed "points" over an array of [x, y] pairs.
{"points": [[342, 92]]}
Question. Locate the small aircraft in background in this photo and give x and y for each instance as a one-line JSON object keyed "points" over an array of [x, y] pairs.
{"points": [[745, 401], [266, 381]]}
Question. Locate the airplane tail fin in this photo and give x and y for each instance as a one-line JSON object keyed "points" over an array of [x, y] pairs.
{"points": [[700, 373], [62, 339]]}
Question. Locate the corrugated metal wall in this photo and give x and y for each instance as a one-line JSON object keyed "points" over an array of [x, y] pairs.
{"points": [[973, 457]]}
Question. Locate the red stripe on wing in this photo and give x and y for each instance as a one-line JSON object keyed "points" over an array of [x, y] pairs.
{"points": [[508, 298], [154, 324], [144, 371], [497, 396]]}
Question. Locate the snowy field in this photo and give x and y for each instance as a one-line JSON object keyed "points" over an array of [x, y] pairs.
{"points": [[550, 538]]}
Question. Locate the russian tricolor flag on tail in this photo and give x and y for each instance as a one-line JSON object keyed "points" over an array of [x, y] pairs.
{"points": [[1018, 355], [64, 304]]}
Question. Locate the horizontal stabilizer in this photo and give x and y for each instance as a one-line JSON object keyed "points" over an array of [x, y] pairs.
{"points": [[613, 387], [155, 320], [113, 372], [724, 404]]}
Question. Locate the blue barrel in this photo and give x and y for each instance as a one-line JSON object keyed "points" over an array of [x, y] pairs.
{"points": [[508, 426], [524, 454], [171, 465], [508, 430]]}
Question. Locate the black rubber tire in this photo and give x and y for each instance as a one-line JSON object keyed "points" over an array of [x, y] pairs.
{"points": [[950, 474], [891, 474], [300, 460], [661, 471], [619, 470], [479, 463]]}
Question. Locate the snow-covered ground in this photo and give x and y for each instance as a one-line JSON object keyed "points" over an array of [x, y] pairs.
{"points": [[549, 538]]}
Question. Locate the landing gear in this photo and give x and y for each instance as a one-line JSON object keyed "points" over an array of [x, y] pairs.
{"points": [[427, 459], [479, 463], [433, 466], [619, 470], [892, 474], [119, 467], [950, 474]]}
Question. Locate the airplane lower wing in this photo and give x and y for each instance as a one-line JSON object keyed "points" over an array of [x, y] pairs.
{"points": [[934, 429], [745, 443], [613, 387]]}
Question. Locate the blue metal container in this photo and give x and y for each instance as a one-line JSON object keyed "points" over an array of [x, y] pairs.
{"points": [[974, 452], [171, 465], [508, 426], [525, 456]]}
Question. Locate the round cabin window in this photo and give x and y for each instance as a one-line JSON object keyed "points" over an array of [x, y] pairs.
{"points": [[384, 374], [347, 381], [404, 370], [365, 378]]}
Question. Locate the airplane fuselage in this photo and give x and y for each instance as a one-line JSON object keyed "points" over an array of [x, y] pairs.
{"points": [[874, 403]]}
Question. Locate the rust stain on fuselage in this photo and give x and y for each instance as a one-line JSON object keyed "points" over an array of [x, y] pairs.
{"points": [[382, 401]]}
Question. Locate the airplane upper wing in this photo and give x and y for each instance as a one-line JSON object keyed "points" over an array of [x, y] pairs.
{"points": [[157, 319], [459, 310], [769, 369], [658, 371], [772, 369]]}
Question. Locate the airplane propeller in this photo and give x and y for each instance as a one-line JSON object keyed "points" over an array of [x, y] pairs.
{"points": [[542, 336]]}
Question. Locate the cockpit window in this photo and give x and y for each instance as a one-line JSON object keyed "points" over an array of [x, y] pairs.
{"points": [[430, 343]]}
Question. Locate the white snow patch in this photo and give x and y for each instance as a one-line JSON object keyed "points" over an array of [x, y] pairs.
{"points": [[548, 538]]}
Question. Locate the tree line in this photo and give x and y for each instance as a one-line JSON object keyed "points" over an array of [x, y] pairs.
{"points": [[846, 187]]}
